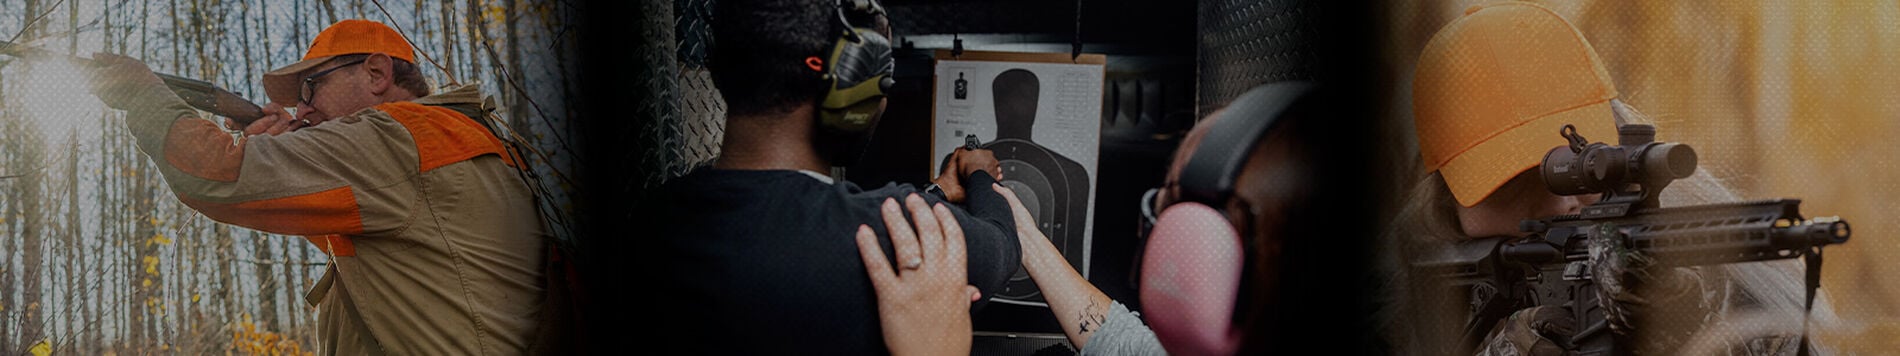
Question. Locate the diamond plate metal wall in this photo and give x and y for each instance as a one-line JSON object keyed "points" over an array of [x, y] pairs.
{"points": [[683, 112], [1245, 43], [656, 98]]}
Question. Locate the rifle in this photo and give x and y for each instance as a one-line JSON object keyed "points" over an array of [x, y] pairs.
{"points": [[1552, 265], [198, 93]]}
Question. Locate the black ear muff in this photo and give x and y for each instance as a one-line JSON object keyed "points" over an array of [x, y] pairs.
{"points": [[1210, 172], [857, 73]]}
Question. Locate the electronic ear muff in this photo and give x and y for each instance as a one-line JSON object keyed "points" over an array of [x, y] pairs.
{"points": [[857, 72], [1192, 266]]}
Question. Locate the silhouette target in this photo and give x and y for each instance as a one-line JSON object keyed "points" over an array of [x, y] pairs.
{"points": [[1054, 188]]}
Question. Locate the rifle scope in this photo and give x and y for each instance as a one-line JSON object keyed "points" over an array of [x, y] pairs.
{"points": [[1635, 165]]}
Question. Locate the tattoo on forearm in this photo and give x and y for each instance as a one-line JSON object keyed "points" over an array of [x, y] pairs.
{"points": [[1092, 317]]}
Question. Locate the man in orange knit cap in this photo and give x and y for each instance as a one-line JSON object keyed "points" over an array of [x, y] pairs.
{"points": [[435, 247]]}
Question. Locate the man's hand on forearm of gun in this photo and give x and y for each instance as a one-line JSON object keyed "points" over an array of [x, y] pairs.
{"points": [[963, 162]]}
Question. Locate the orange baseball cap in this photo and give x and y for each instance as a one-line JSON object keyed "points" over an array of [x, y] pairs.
{"points": [[354, 36], [1493, 88]]}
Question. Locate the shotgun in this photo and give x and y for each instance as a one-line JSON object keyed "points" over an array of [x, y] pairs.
{"points": [[198, 93]]}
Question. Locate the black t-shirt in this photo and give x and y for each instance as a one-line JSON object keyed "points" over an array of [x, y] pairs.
{"points": [[765, 262]]}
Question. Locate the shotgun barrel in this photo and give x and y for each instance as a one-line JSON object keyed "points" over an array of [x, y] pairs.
{"points": [[198, 93]]}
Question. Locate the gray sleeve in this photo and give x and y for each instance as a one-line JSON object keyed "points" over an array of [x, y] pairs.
{"points": [[1123, 334]]}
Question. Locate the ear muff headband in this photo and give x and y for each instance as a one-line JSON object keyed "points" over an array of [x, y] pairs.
{"points": [[1209, 175], [857, 72]]}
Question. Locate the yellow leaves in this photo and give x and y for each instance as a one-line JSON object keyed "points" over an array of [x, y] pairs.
{"points": [[157, 238], [194, 297], [247, 339], [42, 348], [147, 283], [494, 14], [151, 267], [155, 306]]}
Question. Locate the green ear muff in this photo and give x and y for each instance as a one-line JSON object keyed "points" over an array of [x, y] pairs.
{"points": [[859, 73]]}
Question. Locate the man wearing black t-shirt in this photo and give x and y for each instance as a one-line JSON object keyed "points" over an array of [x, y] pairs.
{"points": [[755, 252]]}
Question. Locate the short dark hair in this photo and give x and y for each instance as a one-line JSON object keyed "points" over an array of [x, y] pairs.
{"points": [[758, 52], [406, 74]]}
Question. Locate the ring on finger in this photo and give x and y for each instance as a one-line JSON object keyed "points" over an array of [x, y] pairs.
{"points": [[914, 263]]}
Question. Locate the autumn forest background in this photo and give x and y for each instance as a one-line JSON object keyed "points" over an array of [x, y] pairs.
{"points": [[98, 257]]}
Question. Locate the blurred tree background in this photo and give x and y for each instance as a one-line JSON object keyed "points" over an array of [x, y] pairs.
{"points": [[1781, 99], [98, 257]]}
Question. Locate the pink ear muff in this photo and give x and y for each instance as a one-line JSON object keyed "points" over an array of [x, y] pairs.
{"points": [[1190, 276]]}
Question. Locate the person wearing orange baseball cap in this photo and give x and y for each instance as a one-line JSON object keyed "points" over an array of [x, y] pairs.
{"points": [[1490, 93], [435, 246]]}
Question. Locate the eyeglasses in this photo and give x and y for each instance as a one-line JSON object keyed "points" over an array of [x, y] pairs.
{"points": [[1148, 215], [309, 92], [1151, 214]]}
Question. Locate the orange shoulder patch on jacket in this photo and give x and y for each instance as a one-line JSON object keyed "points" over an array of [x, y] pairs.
{"points": [[444, 136], [331, 211], [201, 149]]}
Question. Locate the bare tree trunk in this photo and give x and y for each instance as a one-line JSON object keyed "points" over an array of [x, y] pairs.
{"points": [[308, 316], [267, 293], [90, 338], [517, 116], [95, 337], [8, 283], [329, 12], [108, 217], [226, 275], [73, 243], [27, 208], [448, 38], [476, 33], [70, 237], [142, 283], [556, 31]]}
